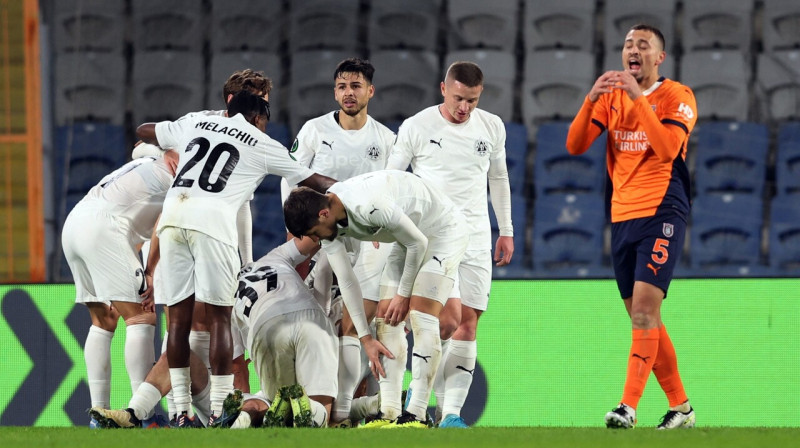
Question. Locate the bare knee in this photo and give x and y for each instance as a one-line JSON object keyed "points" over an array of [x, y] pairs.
{"points": [[103, 316]]}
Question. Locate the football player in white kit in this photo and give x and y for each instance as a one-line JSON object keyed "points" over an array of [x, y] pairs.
{"points": [[101, 238], [223, 161], [391, 206], [454, 146], [288, 335], [342, 144]]}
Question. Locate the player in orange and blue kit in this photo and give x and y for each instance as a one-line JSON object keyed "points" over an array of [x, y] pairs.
{"points": [[648, 119]]}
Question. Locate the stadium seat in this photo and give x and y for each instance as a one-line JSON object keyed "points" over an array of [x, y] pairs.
{"points": [[517, 158], [311, 85], [173, 25], [731, 158], [725, 232], [784, 234], [778, 79], [787, 165], [406, 82], [89, 87], [98, 146], [781, 26], [223, 64], [246, 25], [499, 73], [89, 25], [280, 132], [613, 61], [556, 82], [719, 80], [558, 172], [324, 24], [167, 85], [567, 24], [621, 15], [482, 24], [411, 25], [568, 232], [718, 24]]}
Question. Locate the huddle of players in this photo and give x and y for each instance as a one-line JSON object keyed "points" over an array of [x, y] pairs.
{"points": [[430, 233]]}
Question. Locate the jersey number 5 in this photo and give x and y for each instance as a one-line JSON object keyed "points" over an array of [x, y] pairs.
{"points": [[660, 253], [202, 150]]}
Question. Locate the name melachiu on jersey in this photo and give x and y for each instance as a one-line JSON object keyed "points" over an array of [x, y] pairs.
{"points": [[242, 136]]}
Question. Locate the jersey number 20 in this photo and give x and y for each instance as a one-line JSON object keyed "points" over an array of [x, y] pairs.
{"points": [[202, 150]]}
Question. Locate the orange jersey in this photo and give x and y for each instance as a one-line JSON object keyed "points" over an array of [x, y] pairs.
{"points": [[646, 149]]}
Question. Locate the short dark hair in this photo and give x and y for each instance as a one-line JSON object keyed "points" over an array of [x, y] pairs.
{"points": [[465, 72], [247, 79], [355, 65], [249, 105], [301, 210], [652, 29]]}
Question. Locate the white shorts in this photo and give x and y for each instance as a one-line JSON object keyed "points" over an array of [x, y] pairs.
{"points": [[369, 268], [198, 264], [104, 264], [296, 348], [474, 280], [439, 269]]}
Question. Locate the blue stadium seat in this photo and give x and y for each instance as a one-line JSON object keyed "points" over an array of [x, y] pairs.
{"points": [[556, 171], [519, 219], [568, 233], [88, 151], [787, 166], [516, 158], [726, 233], [784, 234], [731, 157]]}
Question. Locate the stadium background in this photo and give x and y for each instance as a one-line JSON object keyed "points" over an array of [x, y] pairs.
{"points": [[76, 76]]}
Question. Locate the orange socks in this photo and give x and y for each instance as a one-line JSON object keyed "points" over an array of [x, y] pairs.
{"points": [[666, 370], [644, 350]]}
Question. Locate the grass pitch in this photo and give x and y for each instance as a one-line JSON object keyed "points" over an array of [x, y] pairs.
{"points": [[402, 438]]}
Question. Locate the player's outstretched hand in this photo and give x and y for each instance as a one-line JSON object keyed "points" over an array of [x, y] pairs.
{"points": [[503, 250], [397, 311], [374, 350]]}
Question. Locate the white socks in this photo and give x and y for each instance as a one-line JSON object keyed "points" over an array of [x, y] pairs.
{"points": [[144, 400], [221, 386], [97, 355], [349, 376], [139, 352], [181, 390], [200, 343], [438, 382], [458, 369], [170, 402], [394, 338], [426, 355]]}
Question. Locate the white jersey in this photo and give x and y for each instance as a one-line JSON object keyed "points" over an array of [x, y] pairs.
{"points": [[270, 287], [222, 162], [455, 159], [327, 149], [374, 202], [134, 195]]}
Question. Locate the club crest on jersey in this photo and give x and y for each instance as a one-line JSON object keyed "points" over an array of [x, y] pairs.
{"points": [[373, 152], [668, 230], [481, 148]]}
